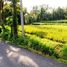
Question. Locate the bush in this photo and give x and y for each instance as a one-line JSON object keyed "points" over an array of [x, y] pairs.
{"points": [[33, 39], [64, 52], [5, 34], [9, 20], [37, 44]]}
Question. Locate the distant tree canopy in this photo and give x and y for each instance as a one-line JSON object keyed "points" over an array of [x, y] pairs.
{"points": [[36, 14]]}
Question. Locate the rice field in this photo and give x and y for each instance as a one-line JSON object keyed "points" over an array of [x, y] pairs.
{"points": [[52, 36]]}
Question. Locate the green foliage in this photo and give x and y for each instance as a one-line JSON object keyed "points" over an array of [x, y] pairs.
{"points": [[43, 14], [34, 39], [36, 14], [44, 47], [7, 10], [34, 42], [64, 52], [46, 38], [9, 20], [56, 33], [5, 34]]}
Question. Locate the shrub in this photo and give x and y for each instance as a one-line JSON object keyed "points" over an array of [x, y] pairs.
{"points": [[37, 44], [5, 34], [64, 52]]}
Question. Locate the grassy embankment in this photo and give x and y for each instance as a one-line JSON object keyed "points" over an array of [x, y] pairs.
{"points": [[47, 39]]}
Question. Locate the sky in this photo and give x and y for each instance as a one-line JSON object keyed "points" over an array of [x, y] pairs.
{"points": [[51, 3]]}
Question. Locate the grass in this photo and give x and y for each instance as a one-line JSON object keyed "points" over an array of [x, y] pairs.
{"points": [[47, 39], [58, 22], [56, 33]]}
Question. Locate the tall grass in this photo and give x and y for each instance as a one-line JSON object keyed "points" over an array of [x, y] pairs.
{"points": [[53, 32], [48, 39]]}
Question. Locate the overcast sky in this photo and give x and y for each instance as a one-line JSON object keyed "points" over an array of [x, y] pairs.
{"points": [[52, 3]]}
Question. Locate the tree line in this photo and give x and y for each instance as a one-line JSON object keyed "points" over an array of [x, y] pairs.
{"points": [[37, 14]]}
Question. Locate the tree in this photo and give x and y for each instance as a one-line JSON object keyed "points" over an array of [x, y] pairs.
{"points": [[14, 25], [22, 22], [1, 9], [1, 15], [65, 15], [43, 12], [60, 13]]}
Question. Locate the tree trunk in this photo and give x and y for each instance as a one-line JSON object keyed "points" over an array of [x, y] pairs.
{"points": [[21, 14], [15, 34]]}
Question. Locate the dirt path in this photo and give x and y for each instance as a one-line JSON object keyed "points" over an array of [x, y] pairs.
{"points": [[11, 56]]}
